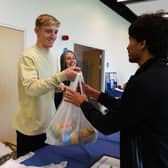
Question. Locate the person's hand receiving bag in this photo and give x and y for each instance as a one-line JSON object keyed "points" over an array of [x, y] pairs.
{"points": [[74, 97]]}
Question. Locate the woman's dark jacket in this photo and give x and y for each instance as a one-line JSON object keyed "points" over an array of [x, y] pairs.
{"points": [[141, 116], [59, 95]]}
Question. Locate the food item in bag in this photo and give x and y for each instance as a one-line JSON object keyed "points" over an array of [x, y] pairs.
{"points": [[74, 138], [66, 139], [58, 130], [85, 132]]}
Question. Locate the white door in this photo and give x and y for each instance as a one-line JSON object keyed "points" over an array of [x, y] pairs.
{"points": [[11, 46]]}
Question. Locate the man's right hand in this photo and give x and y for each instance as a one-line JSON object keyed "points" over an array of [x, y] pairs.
{"points": [[74, 97], [71, 73]]}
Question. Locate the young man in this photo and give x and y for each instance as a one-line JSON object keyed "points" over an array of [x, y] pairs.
{"points": [[37, 82], [142, 113]]}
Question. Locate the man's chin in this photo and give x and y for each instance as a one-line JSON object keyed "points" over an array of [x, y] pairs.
{"points": [[50, 45], [132, 60]]}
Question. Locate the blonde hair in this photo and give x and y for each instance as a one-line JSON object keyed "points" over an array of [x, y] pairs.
{"points": [[46, 20]]}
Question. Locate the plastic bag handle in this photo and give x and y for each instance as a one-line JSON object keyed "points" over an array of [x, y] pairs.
{"points": [[79, 79]]}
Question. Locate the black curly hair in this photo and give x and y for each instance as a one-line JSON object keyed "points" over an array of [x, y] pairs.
{"points": [[153, 28]]}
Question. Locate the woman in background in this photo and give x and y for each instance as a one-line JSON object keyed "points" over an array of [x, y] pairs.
{"points": [[67, 59]]}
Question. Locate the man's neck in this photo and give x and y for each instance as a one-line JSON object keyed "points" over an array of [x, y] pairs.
{"points": [[146, 56]]}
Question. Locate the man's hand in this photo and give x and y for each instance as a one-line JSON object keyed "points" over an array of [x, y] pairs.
{"points": [[71, 73]]}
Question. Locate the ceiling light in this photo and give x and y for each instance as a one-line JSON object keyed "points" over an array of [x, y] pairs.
{"points": [[165, 15], [121, 0], [133, 1]]}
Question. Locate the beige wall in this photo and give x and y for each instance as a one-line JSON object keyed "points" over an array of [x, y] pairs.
{"points": [[11, 45]]}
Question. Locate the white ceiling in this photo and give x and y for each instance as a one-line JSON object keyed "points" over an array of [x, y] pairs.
{"points": [[148, 6]]}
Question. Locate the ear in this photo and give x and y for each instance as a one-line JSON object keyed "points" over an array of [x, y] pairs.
{"points": [[143, 44], [36, 30]]}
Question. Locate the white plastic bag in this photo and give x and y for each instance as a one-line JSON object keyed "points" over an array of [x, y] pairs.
{"points": [[69, 125]]}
